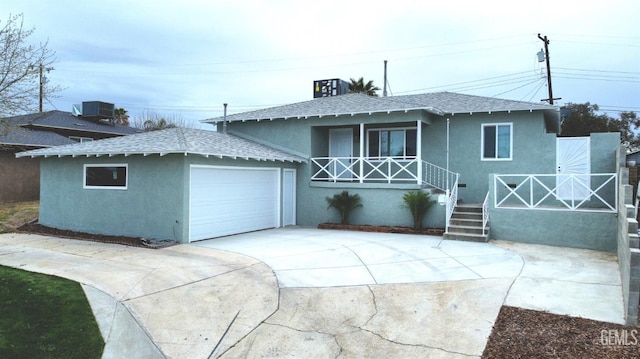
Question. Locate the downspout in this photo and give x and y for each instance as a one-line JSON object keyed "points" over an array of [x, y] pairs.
{"points": [[224, 119], [448, 189]]}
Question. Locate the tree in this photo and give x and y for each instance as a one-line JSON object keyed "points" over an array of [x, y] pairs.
{"points": [[150, 120], [121, 116], [584, 120], [358, 86], [21, 66]]}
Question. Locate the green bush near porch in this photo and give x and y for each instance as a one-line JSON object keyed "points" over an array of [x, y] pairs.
{"points": [[344, 203], [418, 203]]}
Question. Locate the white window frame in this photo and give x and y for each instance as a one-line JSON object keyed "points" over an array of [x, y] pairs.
{"points": [[404, 156], [126, 180], [80, 139], [510, 124]]}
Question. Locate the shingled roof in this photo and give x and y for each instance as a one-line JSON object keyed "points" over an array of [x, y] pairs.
{"points": [[439, 103], [23, 137], [66, 120], [171, 141]]}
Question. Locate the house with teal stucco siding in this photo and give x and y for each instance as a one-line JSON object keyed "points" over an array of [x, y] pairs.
{"points": [[482, 159]]}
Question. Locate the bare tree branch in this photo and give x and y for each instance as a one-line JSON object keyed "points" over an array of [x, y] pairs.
{"points": [[20, 66]]}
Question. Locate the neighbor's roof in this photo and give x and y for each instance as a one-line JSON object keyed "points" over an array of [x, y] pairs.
{"points": [[440, 103], [170, 141], [66, 120], [18, 136]]}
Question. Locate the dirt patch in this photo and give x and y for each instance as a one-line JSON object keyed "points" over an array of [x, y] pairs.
{"points": [[523, 333], [15, 214], [36, 228]]}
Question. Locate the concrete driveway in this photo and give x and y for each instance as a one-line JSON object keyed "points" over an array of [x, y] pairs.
{"points": [[300, 292], [308, 257]]}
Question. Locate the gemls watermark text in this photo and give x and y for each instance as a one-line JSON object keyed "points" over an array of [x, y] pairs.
{"points": [[619, 337]]}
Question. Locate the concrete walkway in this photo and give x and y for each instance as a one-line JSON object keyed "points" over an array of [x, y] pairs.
{"points": [[349, 293]]}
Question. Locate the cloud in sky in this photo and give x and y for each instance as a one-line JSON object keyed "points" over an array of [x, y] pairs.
{"points": [[189, 57]]}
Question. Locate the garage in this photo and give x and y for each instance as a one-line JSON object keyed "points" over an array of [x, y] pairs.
{"points": [[231, 200]]}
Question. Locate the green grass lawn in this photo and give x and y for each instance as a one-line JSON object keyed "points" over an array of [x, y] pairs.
{"points": [[43, 316]]}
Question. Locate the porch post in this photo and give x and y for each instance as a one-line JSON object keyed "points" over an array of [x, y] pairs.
{"points": [[419, 151], [362, 135]]}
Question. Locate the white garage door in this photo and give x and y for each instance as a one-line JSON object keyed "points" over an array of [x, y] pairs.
{"points": [[230, 200]]}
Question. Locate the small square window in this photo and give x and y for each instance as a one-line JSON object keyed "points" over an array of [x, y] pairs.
{"points": [[105, 176], [497, 141]]}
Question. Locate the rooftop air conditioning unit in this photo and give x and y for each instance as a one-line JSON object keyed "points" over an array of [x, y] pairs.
{"points": [[97, 109], [332, 87]]}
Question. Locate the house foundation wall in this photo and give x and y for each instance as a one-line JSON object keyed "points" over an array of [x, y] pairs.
{"points": [[379, 207], [576, 229]]}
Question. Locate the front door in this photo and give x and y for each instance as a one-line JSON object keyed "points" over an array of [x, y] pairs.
{"points": [[573, 157], [341, 151]]}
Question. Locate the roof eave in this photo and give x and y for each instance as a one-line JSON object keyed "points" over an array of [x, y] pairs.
{"points": [[160, 153]]}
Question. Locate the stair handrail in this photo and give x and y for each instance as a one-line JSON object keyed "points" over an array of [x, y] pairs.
{"points": [[452, 200], [485, 213], [438, 177]]}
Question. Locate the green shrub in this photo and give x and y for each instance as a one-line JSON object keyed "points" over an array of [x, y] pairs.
{"points": [[418, 203], [344, 203]]}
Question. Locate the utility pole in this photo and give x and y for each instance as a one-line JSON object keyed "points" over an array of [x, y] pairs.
{"points": [[43, 81], [546, 53], [41, 90]]}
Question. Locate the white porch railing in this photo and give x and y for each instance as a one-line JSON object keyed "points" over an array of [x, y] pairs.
{"points": [[366, 169], [594, 192]]}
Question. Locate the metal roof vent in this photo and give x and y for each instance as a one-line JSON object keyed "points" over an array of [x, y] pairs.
{"points": [[76, 110]]}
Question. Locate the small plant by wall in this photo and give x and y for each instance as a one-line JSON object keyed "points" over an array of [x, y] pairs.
{"points": [[418, 203], [344, 203]]}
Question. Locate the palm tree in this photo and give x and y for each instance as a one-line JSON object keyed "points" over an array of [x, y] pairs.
{"points": [[344, 203], [358, 86], [120, 116]]}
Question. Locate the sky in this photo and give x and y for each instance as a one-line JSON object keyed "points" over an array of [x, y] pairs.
{"points": [[184, 59]]}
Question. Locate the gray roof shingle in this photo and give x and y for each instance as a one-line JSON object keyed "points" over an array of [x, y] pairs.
{"points": [[19, 136], [440, 103], [173, 140], [66, 120]]}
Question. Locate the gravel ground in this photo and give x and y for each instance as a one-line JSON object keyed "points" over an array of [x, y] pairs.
{"points": [[517, 333]]}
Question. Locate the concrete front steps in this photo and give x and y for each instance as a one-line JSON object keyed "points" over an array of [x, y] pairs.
{"points": [[466, 224]]}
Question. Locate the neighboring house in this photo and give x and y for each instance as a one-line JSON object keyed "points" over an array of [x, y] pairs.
{"points": [[20, 178], [274, 167]]}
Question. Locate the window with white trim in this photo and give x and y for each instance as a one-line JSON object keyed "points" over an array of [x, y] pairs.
{"points": [[80, 139], [395, 142], [497, 141], [112, 176]]}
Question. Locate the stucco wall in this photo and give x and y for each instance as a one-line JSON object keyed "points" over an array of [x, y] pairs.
{"points": [[19, 178], [533, 149], [380, 206], [579, 229], [152, 206]]}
